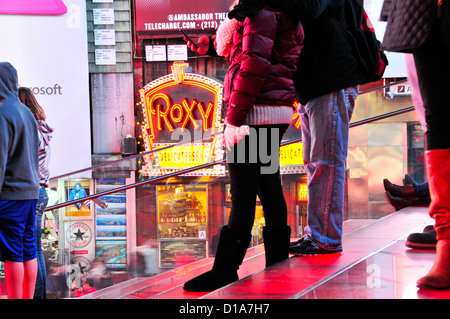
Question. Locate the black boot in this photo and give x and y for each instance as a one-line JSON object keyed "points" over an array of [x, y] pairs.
{"points": [[230, 253], [400, 203], [408, 190], [426, 240], [276, 243]]}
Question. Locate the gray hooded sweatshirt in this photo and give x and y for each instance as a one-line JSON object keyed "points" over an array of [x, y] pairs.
{"points": [[19, 142]]}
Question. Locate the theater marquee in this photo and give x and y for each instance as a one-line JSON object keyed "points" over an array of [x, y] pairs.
{"points": [[182, 108]]}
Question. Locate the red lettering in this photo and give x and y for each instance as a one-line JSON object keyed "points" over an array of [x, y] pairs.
{"points": [[176, 113], [159, 113], [180, 113], [189, 113], [205, 115]]}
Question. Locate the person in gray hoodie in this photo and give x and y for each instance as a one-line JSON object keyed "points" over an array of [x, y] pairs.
{"points": [[19, 187]]}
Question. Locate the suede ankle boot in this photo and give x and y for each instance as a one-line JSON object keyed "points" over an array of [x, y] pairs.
{"points": [[438, 170], [400, 202], [408, 190], [230, 253], [276, 243]]}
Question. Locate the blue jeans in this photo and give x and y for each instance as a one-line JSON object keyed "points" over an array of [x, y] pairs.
{"points": [[40, 291], [325, 127]]}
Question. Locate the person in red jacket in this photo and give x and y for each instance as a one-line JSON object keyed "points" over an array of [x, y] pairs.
{"points": [[259, 94], [88, 288]]}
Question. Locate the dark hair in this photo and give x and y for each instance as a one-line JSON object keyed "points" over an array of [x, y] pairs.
{"points": [[246, 8], [90, 281], [27, 97]]}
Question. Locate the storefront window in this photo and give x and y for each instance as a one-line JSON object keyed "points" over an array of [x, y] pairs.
{"points": [[416, 152]]}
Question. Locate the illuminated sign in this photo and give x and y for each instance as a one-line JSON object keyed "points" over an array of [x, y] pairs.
{"points": [[291, 158], [302, 192], [182, 107], [296, 117]]}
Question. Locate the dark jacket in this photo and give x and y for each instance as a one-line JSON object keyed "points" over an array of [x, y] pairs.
{"points": [[326, 64], [19, 142], [409, 23], [263, 59]]}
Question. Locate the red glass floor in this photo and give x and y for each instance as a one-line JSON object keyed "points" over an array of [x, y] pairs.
{"points": [[374, 264]]}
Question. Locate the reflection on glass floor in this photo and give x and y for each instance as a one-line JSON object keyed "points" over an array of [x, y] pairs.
{"points": [[375, 264]]}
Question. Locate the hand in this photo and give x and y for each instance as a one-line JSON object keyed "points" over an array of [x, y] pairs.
{"points": [[203, 44], [233, 134]]}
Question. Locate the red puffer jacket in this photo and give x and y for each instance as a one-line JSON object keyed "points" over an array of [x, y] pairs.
{"points": [[263, 59]]}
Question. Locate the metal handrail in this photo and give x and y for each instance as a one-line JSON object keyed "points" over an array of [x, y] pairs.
{"points": [[203, 166], [191, 141]]}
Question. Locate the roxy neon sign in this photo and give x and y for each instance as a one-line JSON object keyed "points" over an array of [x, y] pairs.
{"points": [[180, 100], [178, 113], [187, 104]]}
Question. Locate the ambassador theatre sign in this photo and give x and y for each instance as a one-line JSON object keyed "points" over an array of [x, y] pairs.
{"points": [[157, 18], [182, 108]]}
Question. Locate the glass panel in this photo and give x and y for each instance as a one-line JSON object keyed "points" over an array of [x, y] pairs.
{"points": [[143, 215]]}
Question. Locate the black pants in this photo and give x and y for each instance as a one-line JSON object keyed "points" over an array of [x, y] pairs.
{"points": [[433, 69], [251, 174]]}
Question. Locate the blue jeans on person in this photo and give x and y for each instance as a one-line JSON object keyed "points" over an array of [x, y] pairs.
{"points": [[40, 291], [325, 129]]}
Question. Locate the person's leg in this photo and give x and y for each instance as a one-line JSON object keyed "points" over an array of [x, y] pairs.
{"points": [[30, 269], [40, 289], [433, 68], [20, 278], [438, 167], [327, 128], [270, 189], [18, 245], [243, 189], [423, 192], [14, 273], [276, 232], [236, 235]]}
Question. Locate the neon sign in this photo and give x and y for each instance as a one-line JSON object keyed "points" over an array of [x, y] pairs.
{"points": [[291, 158], [177, 113], [182, 105]]}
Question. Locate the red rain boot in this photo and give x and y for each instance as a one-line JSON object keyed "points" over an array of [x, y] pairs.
{"points": [[439, 182]]}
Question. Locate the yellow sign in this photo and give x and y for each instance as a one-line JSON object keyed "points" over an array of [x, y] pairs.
{"points": [[73, 211], [302, 192], [183, 156], [291, 154]]}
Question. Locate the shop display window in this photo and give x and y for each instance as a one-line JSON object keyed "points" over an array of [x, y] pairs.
{"points": [[182, 223]]}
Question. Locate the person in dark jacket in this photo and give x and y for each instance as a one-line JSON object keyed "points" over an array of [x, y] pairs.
{"points": [[19, 187], [259, 94], [327, 84]]}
